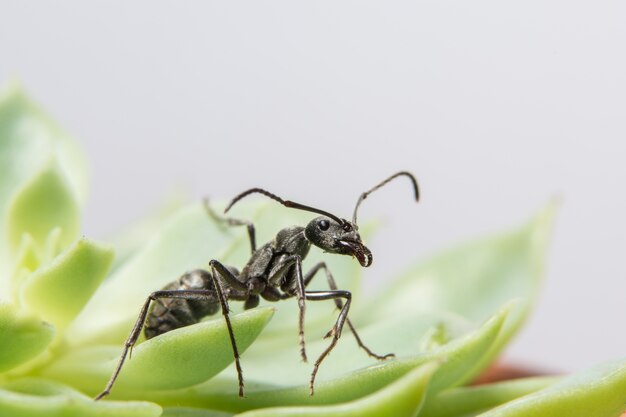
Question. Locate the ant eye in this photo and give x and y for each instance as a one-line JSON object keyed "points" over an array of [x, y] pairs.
{"points": [[323, 224]]}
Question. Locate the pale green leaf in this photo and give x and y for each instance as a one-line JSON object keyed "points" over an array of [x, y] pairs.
{"points": [[42, 204], [27, 259], [179, 358], [598, 392], [188, 240], [23, 336], [133, 237], [31, 397], [59, 290], [465, 401], [402, 398], [473, 280], [192, 412], [29, 140], [456, 360]]}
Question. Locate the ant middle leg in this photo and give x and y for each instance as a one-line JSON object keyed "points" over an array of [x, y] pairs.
{"points": [[333, 286], [219, 270], [232, 222]]}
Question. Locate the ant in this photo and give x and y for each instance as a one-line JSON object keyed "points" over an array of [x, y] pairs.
{"points": [[274, 272]]}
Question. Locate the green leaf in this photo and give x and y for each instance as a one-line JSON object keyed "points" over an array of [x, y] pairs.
{"points": [[61, 289], [179, 358], [23, 336], [473, 280], [42, 204], [32, 397], [403, 398], [134, 236], [456, 358], [192, 412], [464, 401], [29, 140], [188, 240], [598, 392]]}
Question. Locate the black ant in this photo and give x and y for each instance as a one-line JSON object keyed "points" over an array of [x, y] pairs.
{"points": [[273, 272]]}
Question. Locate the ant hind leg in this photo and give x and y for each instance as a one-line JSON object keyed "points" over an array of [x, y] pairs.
{"points": [[232, 222]]}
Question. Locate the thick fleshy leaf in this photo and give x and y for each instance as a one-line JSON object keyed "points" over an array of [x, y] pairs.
{"points": [[465, 401], [23, 336], [61, 289], [179, 358], [457, 359], [42, 204], [42, 398], [598, 392], [189, 240], [473, 280], [402, 398], [27, 259], [192, 412], [403, 336], [29, 140], [132, 238]]}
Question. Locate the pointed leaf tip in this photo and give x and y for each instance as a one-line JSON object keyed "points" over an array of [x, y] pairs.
{"points": [[61, 289], [42, 204]]}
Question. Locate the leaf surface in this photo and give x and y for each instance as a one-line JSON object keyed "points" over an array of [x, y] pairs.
{"points": [[32, 397], [402, 398], [179, 358], [23, 336], [60, 290], [597, 392]]}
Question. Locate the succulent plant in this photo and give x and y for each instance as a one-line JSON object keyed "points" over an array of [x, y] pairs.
{"points": [[67, 303]]}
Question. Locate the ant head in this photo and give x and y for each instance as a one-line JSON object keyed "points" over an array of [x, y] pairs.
{"points": [[338, 237]]}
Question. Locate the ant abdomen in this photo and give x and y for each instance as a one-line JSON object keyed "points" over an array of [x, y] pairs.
{"points": [[167, 314]]}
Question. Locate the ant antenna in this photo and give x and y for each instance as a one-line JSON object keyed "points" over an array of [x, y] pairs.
{"points": [[286, 203], [367, 193]]}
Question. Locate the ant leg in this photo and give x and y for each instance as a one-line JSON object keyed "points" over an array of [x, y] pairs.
{"points": [[232, 222], [333, 286], [218, 268], [277, 274], [136, 331], [335, 332]]}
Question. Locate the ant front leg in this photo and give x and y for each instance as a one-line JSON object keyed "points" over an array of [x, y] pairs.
{"points": [[335, 332], [333, 286], [136, 331], [232, 222]]}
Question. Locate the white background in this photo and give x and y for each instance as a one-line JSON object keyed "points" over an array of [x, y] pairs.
{"points": [[496, 106]]}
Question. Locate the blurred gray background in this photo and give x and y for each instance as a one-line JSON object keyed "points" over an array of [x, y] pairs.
{"points": [[497, 107]]}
